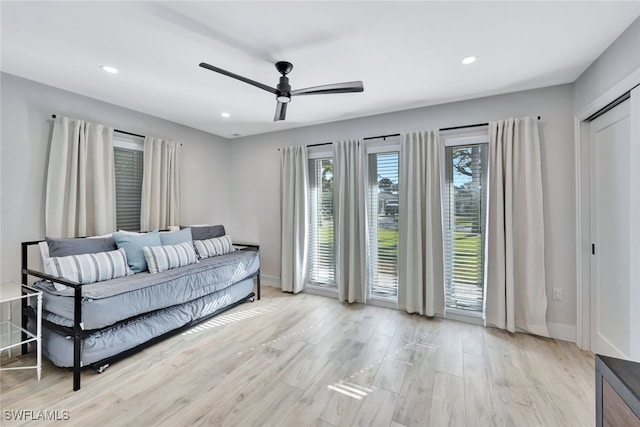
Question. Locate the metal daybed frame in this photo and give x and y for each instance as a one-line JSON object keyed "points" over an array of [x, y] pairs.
{"points": [[77, 331]]}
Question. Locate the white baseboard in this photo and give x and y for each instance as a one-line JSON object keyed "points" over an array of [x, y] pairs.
{"points": [[271, 281], [559, 331], [383, 303], [607, 348], [459, 317], [562, 331], [323, 292]]}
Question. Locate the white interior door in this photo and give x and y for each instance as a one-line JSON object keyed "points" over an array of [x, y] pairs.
{"points": [[611, 217]]}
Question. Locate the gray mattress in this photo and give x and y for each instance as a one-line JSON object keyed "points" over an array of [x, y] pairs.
{"points": [[106, 303], [111, 341]]}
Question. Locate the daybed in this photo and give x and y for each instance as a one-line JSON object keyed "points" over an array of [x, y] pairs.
{"points": [[98, 323]]}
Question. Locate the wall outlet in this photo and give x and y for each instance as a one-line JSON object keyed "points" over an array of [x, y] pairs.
{"points": [[557, 294]]}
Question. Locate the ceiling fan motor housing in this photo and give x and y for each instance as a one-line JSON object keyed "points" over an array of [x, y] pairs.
{"points": [[283, 85]]}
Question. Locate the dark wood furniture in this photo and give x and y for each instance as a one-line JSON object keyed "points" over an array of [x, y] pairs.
{"points": [[617, 392]]}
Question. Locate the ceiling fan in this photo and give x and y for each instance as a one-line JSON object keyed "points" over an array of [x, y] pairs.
{"points": [[283, 90]]}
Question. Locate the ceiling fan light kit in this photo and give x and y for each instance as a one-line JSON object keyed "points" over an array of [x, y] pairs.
{"points": [[283, 90]]}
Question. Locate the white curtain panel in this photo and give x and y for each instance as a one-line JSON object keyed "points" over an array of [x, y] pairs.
{"points": [[81, 187], [420, 241], [350, 216], [294, 205], [516, 293], [160, 202]]}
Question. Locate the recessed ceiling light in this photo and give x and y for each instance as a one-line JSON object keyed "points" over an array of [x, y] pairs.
{"points": [[109, 69], [225, 115], [469, 59]]}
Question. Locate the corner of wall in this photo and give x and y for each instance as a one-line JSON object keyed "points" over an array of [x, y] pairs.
{"points": [[619, 60], [561, 331], [271, 281]]}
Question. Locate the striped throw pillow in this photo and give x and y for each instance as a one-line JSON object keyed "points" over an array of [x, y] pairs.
{"points": [[90, 268], [214, 247], [166, 257]]}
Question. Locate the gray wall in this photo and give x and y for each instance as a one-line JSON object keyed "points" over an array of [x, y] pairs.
{"points": [[26, 128], [618, 61], [255, 199], [251, 208]]}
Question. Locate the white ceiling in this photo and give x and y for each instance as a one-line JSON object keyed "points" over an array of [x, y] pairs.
{"points": [[407, 53]]}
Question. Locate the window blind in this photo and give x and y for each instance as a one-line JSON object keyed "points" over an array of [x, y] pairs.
{"points": [[322, 255], [128, 166], [465, 203], [383, 224]]}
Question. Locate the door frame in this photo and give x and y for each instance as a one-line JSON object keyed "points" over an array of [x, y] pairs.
{"points": [[583, 204]]}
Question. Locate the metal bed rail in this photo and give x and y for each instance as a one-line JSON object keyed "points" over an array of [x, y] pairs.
{"points": [[78, 332]]}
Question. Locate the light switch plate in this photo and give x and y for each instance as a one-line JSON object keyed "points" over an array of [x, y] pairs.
{"points": [[557, 294]]}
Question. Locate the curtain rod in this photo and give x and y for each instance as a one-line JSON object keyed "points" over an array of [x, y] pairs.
{"points": [[118, 130], [467, 126], [384, 137]]}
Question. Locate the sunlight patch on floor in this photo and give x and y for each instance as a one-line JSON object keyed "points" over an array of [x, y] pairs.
{"points": [[349, 389], [417, 345], [229, 318]]}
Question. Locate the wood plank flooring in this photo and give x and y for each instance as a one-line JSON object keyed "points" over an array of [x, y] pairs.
{"points": [[306, 360]]}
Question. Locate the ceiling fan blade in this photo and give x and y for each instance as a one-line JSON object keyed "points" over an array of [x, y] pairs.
{"points": [[281, 112], [198, 25], [345, 87], [237, 77]]}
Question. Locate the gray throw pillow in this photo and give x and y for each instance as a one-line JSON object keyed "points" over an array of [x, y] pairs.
{"points": [[204, 233], [176, 237], [79, 246]]}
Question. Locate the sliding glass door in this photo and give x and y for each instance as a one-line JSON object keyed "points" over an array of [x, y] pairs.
{"points": [[322, 253], [383, 224], [465, 206]]}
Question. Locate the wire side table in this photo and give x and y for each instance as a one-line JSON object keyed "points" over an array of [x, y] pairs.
{"points": [[12, 334]]}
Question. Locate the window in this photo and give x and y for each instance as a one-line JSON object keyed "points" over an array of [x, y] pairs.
{"points": [[383, 223], [129, 159], [465, 205], [322, 252]]}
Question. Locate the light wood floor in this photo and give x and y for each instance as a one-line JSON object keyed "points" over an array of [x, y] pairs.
{"points": [[307, 360]]}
